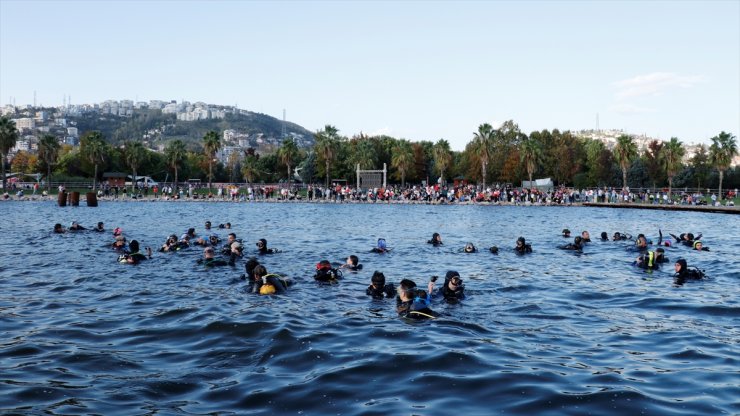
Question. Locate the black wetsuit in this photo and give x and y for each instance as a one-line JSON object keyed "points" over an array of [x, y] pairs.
{"points": [[449, 294], [572, 246], [527, 248], [649, 261], [414, 309], [213, 261], [327, 275], [387, 290], [135, 257], [280, 284]]}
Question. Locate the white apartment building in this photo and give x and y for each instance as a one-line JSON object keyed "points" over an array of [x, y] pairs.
{"points": [[25, 123]]}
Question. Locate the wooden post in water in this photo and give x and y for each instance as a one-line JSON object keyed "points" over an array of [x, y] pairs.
{"points": [[62, 199], [75, 199], [92, 199]]}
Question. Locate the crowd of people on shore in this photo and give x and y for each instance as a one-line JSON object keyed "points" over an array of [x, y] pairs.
{"points": [[412, 301]]}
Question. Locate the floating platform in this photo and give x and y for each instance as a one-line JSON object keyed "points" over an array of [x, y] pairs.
{"points": [[696, 208]]}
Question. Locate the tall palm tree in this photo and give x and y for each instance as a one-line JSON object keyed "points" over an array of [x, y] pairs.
{"points": [[175, 154], [403, 159], [442, 157], [211, 145], [530, 153], [483, 147], [327, 141], [93, 147], [8, 137], [721, 152], [673, 153], [48, 152], [624, 152], [288, 153], [134, 153]]}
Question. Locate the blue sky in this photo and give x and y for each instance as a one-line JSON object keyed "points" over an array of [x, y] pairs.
{"points": [[417, 70]]}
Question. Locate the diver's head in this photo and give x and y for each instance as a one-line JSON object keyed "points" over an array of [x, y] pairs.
{"points": [[353, 260], [578, 240], [209, 252], [133, 246], [690, 236], [469, 248], [520, 242], [698, 245], [604, 236], [250, 266], [566, 232], [171, 239], [585, 235], [117, 231], [259, 271], [378, 279], [681, 265], [381, 243], [262, 244], [58, 227], [323, 265], [208, 225], [406, 289], [191, 232], [436, 237], [617, 236], [659, 253], [213, 239], [100, 225], [236, 247], [232, 237], [493, 249]]}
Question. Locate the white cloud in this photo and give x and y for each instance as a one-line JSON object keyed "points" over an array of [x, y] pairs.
{"points": [[630, 109], [380, 132], [654, 84]]}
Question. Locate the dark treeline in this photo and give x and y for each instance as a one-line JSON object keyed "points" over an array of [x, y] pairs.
{"points": [[503, 155]]}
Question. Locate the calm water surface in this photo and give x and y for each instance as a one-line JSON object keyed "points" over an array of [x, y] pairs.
{"points": [[548, 333]]}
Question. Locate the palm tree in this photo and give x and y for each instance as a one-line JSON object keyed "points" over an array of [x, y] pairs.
{"points": [[93, 146], [442, 157], [327, 141], [673, 152], [288, 153], [211, 145], [8, 137], [48, 152], [249, 170], [530, 153], [403, 159], [175, 154], [483, 147], [625, 151], [134, 154], [721, 152]]}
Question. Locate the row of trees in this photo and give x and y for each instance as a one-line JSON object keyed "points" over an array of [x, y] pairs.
{"points": [[494, 155]]}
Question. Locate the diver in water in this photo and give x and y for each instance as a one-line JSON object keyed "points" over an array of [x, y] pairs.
{"points": [[686, 239], [493, 250], [133, 256], [381, 247], [225, 226], [352, 264], [585, 237], [453, 288], [326, 273], [621, 236], [436, 240], [699, 246], [208, 225], [412, 302], [262, 247], [249, 269], [641, 244], [117, 231], [237, 252], [119, 244], [566, 233], [191, 234], [470, 248], [171, 244], [268, 283], [683, 272], [604, 236], [99, 228], [652, 259], [58, 229], [210, 260], [576, 245], [522, 247], [226, 249], [378, 289], [75, 226]]}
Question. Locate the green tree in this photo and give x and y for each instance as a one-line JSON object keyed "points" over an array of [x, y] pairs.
{"points": [[700, 163], [93, 148], [211, 145], [673, 153], [530, 153], [288, 153], [403, 159], [48, 152], [327, 141], [8, 137], [134, 153], [249, 168], [653, 158], [442, 157], [362, 152], [624, 152], [483, 147], [175, 155], [721, 152]]}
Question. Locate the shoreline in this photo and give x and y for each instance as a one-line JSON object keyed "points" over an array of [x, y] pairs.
{"points": [[694, 208]]}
